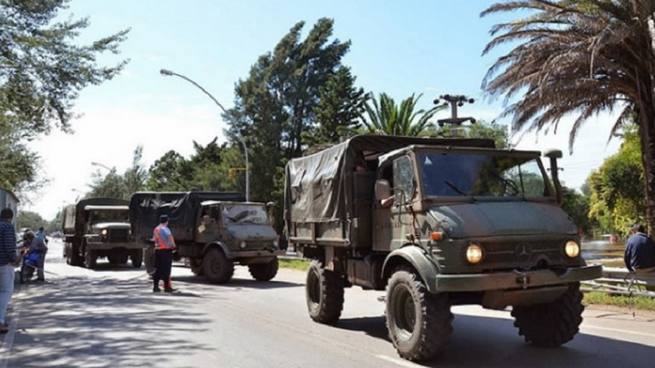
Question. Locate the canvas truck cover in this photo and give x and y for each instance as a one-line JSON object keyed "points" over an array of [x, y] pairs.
{"points": [[316, 187], [73, 219], [181, 208]]}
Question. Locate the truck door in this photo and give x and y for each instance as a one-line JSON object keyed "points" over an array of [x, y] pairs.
{"points": [[392, 220]]}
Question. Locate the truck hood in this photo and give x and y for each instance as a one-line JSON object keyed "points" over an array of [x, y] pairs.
{"points": [[111, 225], [481, 219], [252, 232]]}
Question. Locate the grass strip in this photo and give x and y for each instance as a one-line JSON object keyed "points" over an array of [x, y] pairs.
{"points": [[636, 302], [294, 264]]}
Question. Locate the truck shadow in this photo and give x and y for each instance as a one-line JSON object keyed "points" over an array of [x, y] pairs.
{"points": [[108, 267], [78, 321], [494, 342], [237, 283]]}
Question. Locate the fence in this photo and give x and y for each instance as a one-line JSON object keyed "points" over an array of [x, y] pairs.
{"points": [[622, 282]]}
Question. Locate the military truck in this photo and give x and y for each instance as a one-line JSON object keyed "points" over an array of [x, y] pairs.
{"points": [[96, 228], [437, 223], [214, 230]]}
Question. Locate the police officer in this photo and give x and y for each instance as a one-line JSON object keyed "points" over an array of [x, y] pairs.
{"points": [[164, 246]]}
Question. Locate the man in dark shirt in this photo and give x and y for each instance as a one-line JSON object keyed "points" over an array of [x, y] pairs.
{"points": [[639, 251], [8, 258]]}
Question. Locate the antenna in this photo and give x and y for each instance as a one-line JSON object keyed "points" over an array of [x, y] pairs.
{"points": [[455, 102]]}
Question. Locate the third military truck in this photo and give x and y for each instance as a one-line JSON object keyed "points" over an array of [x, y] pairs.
{"points": [[437, 223], [213, 230], [96, 228]]}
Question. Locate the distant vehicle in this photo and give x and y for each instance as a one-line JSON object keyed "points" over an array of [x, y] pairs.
{"points": [[9, 200], [214, 230], [98, 227], [437, 222]]}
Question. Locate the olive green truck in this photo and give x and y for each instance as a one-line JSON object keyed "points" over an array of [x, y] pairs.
{"points": [[98, 227], [437, 223]]}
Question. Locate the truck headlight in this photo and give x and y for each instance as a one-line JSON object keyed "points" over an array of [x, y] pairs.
{"points": [[242, 244], [276, 243], [572, 249], [103, 232], [474, 253]]}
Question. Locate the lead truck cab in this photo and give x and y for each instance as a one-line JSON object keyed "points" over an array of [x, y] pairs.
{"points": [[436, 223]]}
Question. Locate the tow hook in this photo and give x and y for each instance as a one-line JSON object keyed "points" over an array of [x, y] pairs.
{"points": [[523, 279]]}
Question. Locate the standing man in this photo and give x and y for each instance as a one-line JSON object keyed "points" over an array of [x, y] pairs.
{"points": [[639, 251], [164, 246], [8, 259]]}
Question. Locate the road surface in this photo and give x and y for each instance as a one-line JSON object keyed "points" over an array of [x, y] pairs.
{"points": [[110, 318]]}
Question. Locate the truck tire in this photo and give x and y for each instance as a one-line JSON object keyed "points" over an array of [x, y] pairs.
{"points": [[122, 259], [324, 294], [90, 258], [196, 266], [264, 271], [419, 323], [551, 324], [137, 259], [73, 256], [149, 259], [216, 267]]}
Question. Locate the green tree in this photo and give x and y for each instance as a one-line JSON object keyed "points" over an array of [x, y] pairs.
{"points": [[386, 117], [278, 105], [42, 69], [338, 110], [31, 220], [576, 204], [481, 129], [579, 57], [171, 172], [617, 187]]}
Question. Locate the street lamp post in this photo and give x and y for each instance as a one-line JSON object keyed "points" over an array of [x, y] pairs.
{"points": [[169, 73], [98, 164]]}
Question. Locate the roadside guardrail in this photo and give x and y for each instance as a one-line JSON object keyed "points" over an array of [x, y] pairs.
{"points": [[622, 282]]}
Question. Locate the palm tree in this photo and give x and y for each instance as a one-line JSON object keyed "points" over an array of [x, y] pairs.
{"points": [[385, 117], [578, 57]]}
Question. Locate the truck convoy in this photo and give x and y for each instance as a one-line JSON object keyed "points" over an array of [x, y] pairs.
{"points": [[214, 230], [437, 223], [96, 228]]}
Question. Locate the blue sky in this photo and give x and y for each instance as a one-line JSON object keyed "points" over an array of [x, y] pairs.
{"points": [[429, 47]]}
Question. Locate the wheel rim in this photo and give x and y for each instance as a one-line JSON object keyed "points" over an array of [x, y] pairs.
{"points": [[313, 288], [404, 311]]}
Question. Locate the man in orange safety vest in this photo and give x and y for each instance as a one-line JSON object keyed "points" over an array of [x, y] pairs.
{"points": [[164, 246]]}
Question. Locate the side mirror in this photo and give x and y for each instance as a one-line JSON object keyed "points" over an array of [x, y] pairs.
{"points": [[553, 154], [382, 189], [270, 205]]}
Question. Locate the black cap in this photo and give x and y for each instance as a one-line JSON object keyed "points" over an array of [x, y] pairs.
{"points": [[163, 218]]}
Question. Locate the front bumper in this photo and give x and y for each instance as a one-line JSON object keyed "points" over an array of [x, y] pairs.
{"points": [[256, 253], [108, 246], [515, 279]]}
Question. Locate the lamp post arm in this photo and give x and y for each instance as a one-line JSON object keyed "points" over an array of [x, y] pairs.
{"points": [[202, 89]]}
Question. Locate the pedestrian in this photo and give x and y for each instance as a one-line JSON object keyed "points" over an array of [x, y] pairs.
{"points": [[639, 251], [8, 260], [164, 246], [41, 246]]}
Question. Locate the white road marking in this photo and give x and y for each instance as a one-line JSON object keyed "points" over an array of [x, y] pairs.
{"points": [[619, 330], [8, 343], [400, 362]]}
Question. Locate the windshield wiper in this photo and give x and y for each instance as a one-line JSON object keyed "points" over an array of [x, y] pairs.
{"points": [[454, 187]]}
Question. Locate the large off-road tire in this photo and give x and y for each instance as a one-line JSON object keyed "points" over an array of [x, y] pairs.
{"points": [[264, 271], [419, 323], [136, 259], [90, 259], [324, 294], [149, 259], [551, 324], [196, 266], [73, 256], [216, 267]]}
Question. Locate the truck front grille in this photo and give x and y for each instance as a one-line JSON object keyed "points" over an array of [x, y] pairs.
{"points": [[118, 235]]}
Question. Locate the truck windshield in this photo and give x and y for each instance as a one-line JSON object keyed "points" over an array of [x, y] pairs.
{"points": [[481, 174], [244, 214], [108, 216]]}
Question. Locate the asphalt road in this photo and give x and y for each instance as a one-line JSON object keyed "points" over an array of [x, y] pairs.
{"points": [[110, 318]]}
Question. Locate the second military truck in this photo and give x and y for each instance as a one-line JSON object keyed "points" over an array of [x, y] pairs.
{"points": [[437, 222], [213, 230], [96, 228]]}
